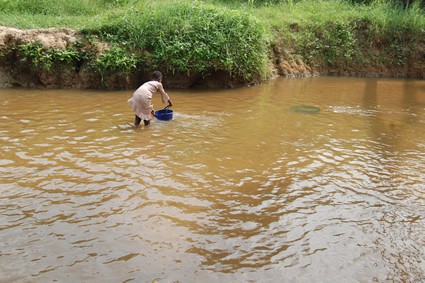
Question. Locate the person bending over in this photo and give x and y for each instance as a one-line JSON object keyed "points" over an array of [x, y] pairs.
{"points": [[141, 102]]}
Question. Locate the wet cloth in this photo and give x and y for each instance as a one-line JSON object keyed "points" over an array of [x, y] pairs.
{"points": [[141, 102]]}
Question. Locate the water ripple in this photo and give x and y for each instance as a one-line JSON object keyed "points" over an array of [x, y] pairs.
{"points": [[226, 191]]}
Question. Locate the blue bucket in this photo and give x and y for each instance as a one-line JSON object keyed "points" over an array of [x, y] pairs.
{"points": [[164, 114]]}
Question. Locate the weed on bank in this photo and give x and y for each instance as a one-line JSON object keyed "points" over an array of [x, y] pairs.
{"points": [[234, 36]]}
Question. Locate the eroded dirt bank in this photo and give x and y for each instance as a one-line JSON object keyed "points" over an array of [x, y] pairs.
{"points": [[15, 69]]}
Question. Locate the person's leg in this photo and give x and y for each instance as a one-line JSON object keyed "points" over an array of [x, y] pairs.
{"points": [[137, 120], [147, 122]]}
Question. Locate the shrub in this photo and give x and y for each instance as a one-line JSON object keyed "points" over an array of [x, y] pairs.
{"points": [[116, 59], [335, 42], [42, 58], [194, 37]]}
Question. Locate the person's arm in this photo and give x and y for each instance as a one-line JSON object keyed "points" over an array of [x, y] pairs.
{"points": [[164, 95]]}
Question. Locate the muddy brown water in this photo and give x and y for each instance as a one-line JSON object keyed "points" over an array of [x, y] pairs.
{"points": [[238, 187]]}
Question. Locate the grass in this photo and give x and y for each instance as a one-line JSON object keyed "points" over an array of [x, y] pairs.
{"points": [[77, 14], [194, 36]]}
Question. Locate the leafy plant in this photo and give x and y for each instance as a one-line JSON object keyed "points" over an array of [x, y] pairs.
{"points": [[195, 37], [43, 58], [399, 52], [336, 43], [36, 55], [116, 59]]}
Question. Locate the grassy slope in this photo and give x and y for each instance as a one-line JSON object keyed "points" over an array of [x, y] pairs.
{"points": [[91, 14], [329, 33]]}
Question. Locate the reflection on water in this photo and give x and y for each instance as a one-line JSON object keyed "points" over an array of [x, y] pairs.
{"points": [[237, 188]]}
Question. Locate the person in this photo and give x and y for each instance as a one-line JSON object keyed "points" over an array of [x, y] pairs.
{"points": [[141, 102]]}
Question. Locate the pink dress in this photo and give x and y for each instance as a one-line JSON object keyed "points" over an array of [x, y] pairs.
{"points": [[141, 102]]}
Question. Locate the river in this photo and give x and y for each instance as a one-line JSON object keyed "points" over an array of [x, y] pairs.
{"points": [[243, 185]]}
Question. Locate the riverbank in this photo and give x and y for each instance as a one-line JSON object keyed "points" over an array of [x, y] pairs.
{"points": [[15, 69], [215, 46]]}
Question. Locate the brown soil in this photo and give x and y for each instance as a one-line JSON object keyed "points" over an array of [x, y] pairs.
{"points": [[15, 71]]}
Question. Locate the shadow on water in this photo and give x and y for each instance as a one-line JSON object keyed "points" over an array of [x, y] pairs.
{"points": [[388, 126], [391, 131]]}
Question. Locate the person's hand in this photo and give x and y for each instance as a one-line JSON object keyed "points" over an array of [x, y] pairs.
{"points": [[169, 103]]}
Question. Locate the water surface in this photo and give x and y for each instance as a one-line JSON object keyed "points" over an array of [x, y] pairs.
{"points": [[238, 187]]}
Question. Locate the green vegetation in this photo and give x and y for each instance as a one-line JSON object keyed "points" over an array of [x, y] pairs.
{"points": [[190, 36], [338, 33], [116, 59], [45, 59]]}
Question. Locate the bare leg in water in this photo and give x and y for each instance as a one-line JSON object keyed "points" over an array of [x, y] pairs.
{"points": [[137, 120], [147, 122]]}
